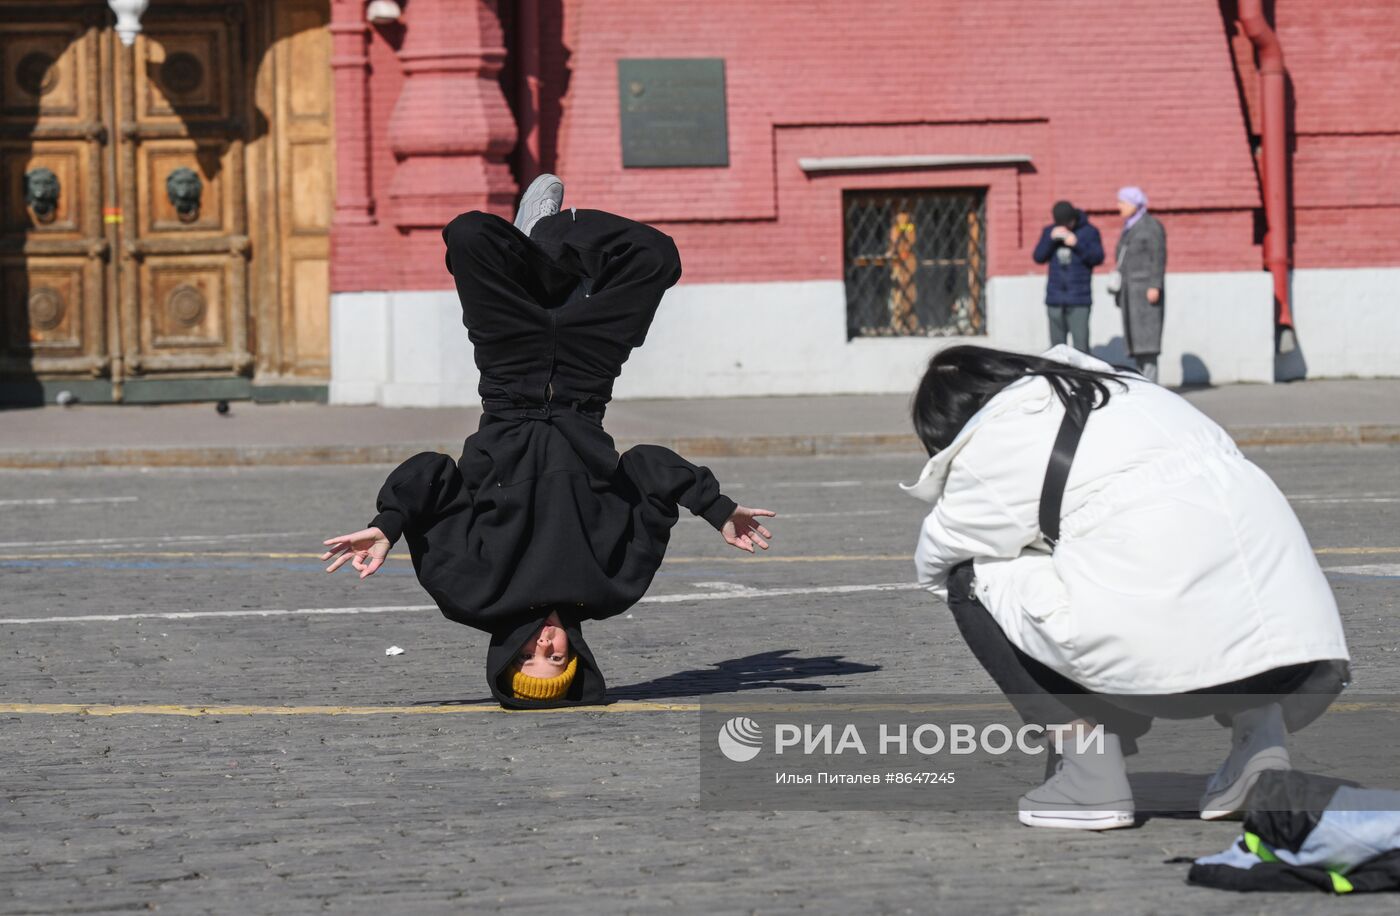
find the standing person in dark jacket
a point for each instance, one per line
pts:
(541, 525)
(1141, 261)
(1072, 247)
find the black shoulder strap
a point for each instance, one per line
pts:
(1052, 492)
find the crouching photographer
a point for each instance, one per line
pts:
(1110, 557)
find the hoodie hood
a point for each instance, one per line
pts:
(588, 687)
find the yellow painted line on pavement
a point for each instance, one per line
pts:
(198, 712)
(157, 709)
(1354, 551)
(161, 709)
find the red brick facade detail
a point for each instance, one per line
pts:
(440, 133)
(354, 203)
(1343, 68)
(1098, 93)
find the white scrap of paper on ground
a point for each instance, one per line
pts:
(394, 650)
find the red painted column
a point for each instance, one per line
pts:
(354, 198)
(451, 129)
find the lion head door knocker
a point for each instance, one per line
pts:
(184, 188)
(41, 190)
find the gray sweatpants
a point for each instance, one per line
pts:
(1067, 321)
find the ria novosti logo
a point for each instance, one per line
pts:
(740, 739)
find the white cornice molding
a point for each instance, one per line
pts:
(868, 163)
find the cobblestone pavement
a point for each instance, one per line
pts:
(439, 804)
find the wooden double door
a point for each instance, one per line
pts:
(166, 206)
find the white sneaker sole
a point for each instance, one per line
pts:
(1229, 800)
(1078, 820)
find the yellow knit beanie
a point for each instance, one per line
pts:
(525, 687)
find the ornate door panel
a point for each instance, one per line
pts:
(158, 225)
(303, 132)
(184, 292)
(53, 247)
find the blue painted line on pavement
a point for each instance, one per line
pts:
(148, 565)
(119, 565)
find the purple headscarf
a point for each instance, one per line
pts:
(1133, 194)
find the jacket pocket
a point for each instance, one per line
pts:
(1031, 604)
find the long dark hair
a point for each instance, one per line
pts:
(961, 380)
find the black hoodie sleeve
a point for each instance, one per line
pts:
(666, 478)
(422, 490)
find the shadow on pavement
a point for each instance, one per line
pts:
(1167, 794)
(1177, 796)
(761, 671)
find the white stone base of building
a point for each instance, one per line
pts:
(788, 338)
(1347, 322)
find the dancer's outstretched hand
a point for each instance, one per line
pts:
(743, 530)
(365, 549)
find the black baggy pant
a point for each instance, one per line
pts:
(554, 315)
(1043, 696)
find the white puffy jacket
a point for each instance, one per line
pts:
(1180, 565)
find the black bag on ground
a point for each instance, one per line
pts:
(1304, 832)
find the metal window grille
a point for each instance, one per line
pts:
(916, 263)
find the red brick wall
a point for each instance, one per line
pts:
(1345, 122)
(1344, 64)
(1099, 93)
(1062, 82)
(373, 257)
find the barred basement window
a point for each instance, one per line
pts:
(916, 263)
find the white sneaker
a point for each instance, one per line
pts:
(542, 198)
(1257, 746)
(1086, 792)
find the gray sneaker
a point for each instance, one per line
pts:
(542, 198)
(1085, 792)
(1257, 746)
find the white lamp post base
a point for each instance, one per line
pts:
(128, 18)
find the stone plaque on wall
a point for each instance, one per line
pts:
(673, 112)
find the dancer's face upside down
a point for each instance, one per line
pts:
(547, 654)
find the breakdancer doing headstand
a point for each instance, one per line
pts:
(541, 525)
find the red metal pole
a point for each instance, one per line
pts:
(1274, 169)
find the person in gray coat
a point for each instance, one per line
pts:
(1141, 259)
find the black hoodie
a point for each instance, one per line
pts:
(522, 526)
(541, 513)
